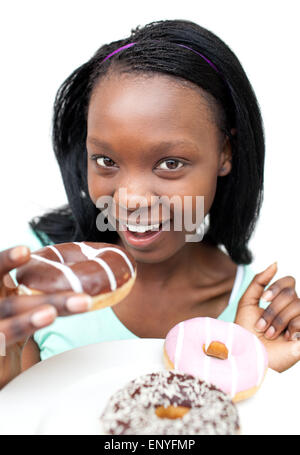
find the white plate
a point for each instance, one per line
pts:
(67, 393)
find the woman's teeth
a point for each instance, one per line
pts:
(141, 229)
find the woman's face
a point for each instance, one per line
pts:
(151, 137)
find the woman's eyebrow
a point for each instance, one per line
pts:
(164, 145)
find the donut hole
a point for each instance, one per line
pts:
(171, 412)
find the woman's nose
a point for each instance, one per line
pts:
(127, 199)
(131, 196)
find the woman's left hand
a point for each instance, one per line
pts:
(278, 326)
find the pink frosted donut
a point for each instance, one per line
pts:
(239, 375)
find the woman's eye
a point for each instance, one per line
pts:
(104, 161)
(170, 165)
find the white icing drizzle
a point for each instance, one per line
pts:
(179, 344)
(109, 272)
(91, 253)
(121, 253)
(260, 360)
(58, 254)
(207, 333)
(231, 358)
(234, 379)
(88, 251)
(229, 341)
(207, 343)
(69, 274)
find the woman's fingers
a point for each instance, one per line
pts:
(293, 331)
(283, 320)
(12, 258)
(19, 327)
(271, 317)
(21, 316)
(8, 282)
(256, 288)
(65, 303)
(274, 289)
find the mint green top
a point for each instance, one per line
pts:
(70, 332)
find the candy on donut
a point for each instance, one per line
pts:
(105, 272)
(222, 353)
(170, 403)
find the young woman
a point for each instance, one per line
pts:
(168, 111)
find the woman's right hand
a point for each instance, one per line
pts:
(21, 316)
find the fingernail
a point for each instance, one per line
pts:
(18, 253)
(287, 335)
(78, 303)
(260, 325)
(270, 332)
(43, 317)
(271, 267)
(267, 295)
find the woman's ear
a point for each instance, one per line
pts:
(226, 156)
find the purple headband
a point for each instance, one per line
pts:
(182, 45)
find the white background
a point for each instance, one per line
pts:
(42, 42)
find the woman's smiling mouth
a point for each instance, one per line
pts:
(140, 239)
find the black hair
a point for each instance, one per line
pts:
(239, 194)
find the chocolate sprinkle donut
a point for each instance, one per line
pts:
(133, 409)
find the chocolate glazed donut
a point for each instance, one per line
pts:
(105, 272)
